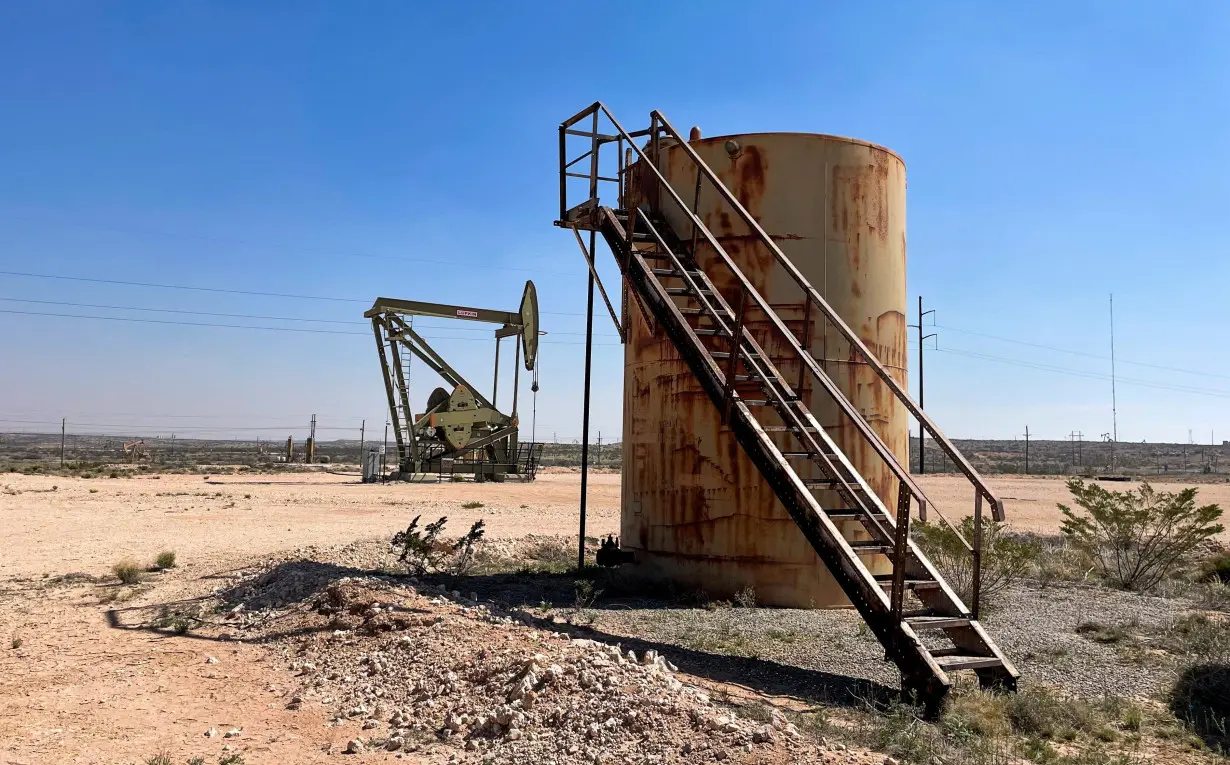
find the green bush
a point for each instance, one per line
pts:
(1005, 558)
(1137, 538)
(127, 571)
(1216, 569)
(1201, 699)
(165, 560)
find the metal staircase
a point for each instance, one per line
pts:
(924, 626)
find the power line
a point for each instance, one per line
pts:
(350, 322)
(248, 326)
(283, 248)
(1081, 353)
(1087, 374)
(223, 290)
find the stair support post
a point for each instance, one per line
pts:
(900, 551)
(976, 594)
(736, 345)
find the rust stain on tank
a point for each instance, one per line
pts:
(706, 516)
(749, 186)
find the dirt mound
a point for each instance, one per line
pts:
(440, 676)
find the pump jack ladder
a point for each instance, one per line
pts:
(706, 326)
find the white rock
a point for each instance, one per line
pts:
(233, 733)
(354, 746)
(211, 733)
(210, 660)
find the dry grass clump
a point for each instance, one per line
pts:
(128, 571)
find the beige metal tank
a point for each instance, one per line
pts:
(695, 508)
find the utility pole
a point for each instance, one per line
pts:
(599, 461)
(362, 432)
(1026, 450)
(922, 432)
(1114, 408)
(384, 452)
(63, 424)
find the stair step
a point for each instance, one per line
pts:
(726, 355)
(844, 512)
(786, 429)
(821, 483)
(870, 546)
(937, 622)
(955, 662)
(802, 455)
(950, 651)
(679, 291)
(910, 584)
(669, 272)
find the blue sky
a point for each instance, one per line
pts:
(1056, 153)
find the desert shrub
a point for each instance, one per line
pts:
(1198, 635)
(425, 550)
(1005, 558)
(975, 714)
(127, 571)
(746, 598)
(1042, 713)
(1137, 538)
(471, 505)
(165, 560)
(1215, 569)
(162, 758)
(1201, 699)
(1107, 634)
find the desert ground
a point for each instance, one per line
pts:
(80, 683)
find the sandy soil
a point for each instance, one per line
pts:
(1030, 501)
(74, 689)
(87, 525)
(77, 690)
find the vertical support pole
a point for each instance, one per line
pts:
(589, 350)
(362, 432)
(377, 325)
(563, 172)
(516, 376)
(407, 446)
(172, 446)
(977, 588)
(309, 454)
(63, 426)
(900, 546)
(623, 168)
(695, 214)
(806, 343)
(1026, 450)
(495, 386)
(922, 432)
(384, 453)
(732, 366)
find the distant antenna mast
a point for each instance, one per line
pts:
(1114, 408)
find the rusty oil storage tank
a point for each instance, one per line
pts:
(695, 509)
